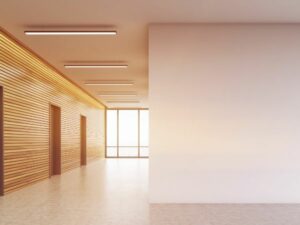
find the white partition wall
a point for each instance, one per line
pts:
(224, 113)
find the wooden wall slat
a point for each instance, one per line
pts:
(29, 87)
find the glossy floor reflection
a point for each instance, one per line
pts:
(115, 192)
(108, 192)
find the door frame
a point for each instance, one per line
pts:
(54, 165)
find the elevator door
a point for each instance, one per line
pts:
(55, 140)
(1, 144)
(82, 140)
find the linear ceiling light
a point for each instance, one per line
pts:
(108, 83)
(117, 95)
(56, 33)
(125, 102)
(96, 66)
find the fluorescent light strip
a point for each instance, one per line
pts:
(116, 95)
(108, 83)
(95, 84)
(122, 102)
(94, 66)
(57, 33)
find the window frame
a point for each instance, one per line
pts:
(118, 124)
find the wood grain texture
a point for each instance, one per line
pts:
(30, 86)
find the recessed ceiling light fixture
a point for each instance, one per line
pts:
(69, 33)
(108, 83)
(122, 102)
(117, 94)
(108, 66)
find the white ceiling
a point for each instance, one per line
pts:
(131, 19)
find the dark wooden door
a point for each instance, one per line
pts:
(1, 144)
(55, 140)
(83, 140)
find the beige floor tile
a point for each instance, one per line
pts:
(115, 192)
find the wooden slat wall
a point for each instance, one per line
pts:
(30, 86)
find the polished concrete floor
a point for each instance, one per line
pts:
(106, 192)
(115, 192)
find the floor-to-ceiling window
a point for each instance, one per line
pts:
(127, 133)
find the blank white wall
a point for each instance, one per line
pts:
(224, 113)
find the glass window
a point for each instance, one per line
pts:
(111, 151)
(144, 151)
(144, 127)
(127, 133)
(128, 151)
(112, 127)
(128, 128)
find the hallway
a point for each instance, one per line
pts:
(111, 191)
(115, 192)
(149, 112)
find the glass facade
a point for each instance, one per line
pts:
(127, 133)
